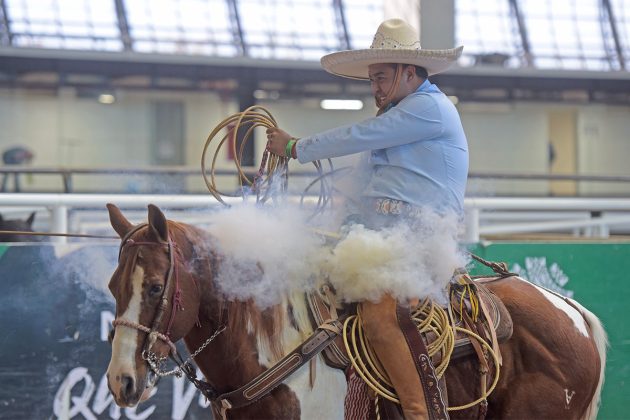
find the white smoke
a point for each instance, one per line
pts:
(266, 252)
(404, 261)
(270, 252)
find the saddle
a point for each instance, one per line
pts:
(473, 310)
(493, 317)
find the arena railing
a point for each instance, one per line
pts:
(594, 215)
(68, 174)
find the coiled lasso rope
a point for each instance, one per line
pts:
(251, 118)
(273, 173)
(429, 318)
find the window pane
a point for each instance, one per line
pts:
(181, 26)
(362, 19)
(488, 31)
(621, 11)
(77, 24)
(565, 34)
(288, 29)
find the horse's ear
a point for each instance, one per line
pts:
(121, 225)
(30, 220)
(158, 224)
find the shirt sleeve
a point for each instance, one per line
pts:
(413, 119)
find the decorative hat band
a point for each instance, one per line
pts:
(382, 42)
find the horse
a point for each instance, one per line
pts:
(552, 366)
(19, 226)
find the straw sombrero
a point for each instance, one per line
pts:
(395, 42)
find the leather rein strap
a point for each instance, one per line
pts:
(267, 381)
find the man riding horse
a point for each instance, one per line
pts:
(415, 156)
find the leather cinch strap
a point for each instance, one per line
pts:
(271, 378)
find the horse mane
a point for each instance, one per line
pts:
(266, 324)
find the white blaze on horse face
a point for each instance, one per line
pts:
(574, 314)
(125, 342)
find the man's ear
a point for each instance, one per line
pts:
(410, 72)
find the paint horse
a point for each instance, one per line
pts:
(166, 289)
(17, 225)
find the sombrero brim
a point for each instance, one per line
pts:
(354, 63)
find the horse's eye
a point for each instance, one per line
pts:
(155, 289)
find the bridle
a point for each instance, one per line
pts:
(154, 361)
(252, 391)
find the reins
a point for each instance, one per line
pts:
(67, 235)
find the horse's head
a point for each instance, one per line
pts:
(152, 285)
(17, 225)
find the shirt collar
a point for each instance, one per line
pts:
(426, 86)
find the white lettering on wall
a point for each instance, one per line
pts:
(181, 399)
(104, 398)
(78, 388)
(65, 406)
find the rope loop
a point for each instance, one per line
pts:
(271, 165)
(429, 319)
(271, 179)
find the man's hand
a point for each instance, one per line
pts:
(277, 140)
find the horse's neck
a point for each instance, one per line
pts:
(252, 342)
(225, 366)
(239, 356)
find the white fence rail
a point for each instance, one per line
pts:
(595, 220)
(484, 216)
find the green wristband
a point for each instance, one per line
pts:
(289, 147)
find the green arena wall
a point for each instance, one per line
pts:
(55, 312)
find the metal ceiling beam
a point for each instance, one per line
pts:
(342, 31)
(237, 27)
(613, 25)
(295, 79)
(522, 30)
(123, 25)
(6, 38)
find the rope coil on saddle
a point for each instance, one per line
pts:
(429, 319)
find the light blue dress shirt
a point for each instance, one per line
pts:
(415, 152)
